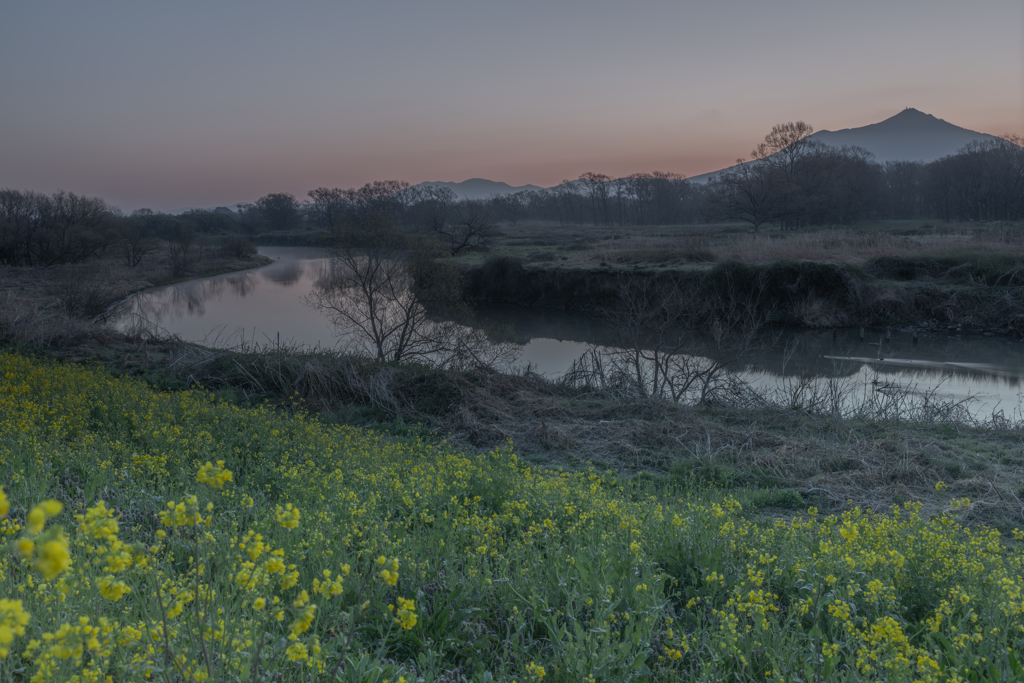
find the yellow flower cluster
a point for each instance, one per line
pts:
(288, 516)
(13, 619)
(406, 615)
(186, 513)
(389, 570)
(214, 475)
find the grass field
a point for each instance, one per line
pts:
(552, 245)
(178, 536)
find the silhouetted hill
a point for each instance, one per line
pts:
(910, 135)
(479, 188)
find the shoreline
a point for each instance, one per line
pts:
(257, 261)
(805, 294)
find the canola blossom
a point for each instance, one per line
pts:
(154, 535)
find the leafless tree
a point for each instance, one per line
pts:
(748, 192)
(133, 238)
(462, 226)
(180, 247)
(435, 208)
(370, 296)
(279, 211)
(674, 341)
(327, 207)
(598, 187)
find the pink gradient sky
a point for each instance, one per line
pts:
(209, 103)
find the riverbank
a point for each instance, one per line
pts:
(967, 276)
(53, 305)
(788, 457)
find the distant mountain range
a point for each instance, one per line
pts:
(910, 135)
(479, 188)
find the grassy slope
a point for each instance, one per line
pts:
(513, 573)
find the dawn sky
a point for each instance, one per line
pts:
(168, 105)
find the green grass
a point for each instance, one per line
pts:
(410, 559)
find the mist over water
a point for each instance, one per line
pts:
(265, 307)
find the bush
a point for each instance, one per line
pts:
(237, 246)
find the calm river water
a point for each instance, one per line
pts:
(265, 306)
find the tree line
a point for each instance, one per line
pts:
(789, 181)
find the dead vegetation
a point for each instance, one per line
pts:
(673, 246)
(792, 449)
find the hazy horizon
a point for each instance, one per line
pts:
(197, 104)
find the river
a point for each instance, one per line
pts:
(265, 306)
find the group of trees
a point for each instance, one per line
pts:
(790, 180)
(40, 229)
(37, 229)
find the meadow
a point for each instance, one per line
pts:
(674, 246)
(178, 536)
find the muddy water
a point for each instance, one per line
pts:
(265, 306)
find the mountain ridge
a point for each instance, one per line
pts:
(478, 188)
(910, 135)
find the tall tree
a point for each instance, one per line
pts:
(279, 211)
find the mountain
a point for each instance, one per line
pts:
(229, 209)
(910, 135)
(479, 188)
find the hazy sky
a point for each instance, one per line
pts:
(175, 104)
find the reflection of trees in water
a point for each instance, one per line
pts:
(188, 299)
(284, 273)
(822, 354)
(370, 300)
(990, 374)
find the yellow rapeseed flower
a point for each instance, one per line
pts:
(13, 620)
(214, 475)
(53, 557)
(288, 516)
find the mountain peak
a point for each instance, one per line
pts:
(910, 135)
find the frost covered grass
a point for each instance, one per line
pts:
(173, 536)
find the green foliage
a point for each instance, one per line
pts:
(439, 561)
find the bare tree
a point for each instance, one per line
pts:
(328, 206)
(279, 211)
(370, 296)
(435, 208)
(467, 225)
(747, 192)
(675, 341)
(133, 238)
(180, 246)
(598, 186)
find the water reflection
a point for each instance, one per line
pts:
(262, 305)
(267, 304)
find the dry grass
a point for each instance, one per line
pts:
(550, 245)
(831, 462)
(87, 289)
